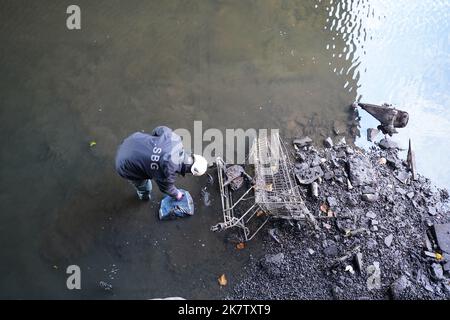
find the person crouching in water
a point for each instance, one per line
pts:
(157, 156)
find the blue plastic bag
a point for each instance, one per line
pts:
(171, 208)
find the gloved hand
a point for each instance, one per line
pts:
(179, 195)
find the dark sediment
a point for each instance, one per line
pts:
(376, 237)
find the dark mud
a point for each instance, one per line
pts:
(375, 239)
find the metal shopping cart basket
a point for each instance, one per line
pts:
(273, 194)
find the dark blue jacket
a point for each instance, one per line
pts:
(158, 156)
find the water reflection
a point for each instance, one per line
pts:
(399, 53)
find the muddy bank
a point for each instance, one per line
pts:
(380, 234)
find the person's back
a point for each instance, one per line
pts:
(158, 156)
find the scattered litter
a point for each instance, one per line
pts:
(222, 280)
(92, 144)
(349, 268)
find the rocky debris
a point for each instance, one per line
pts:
(437, 271)
(399, 287)
(388, 240)
(388, 144)
(272, 264)
(442, 232)
(328, 143)
(303, 142)
(372, 134)
(361, 171)
(403, 236)
(374, 280)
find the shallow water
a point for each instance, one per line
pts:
(293, 65)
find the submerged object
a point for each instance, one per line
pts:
(389, 117)
(235, 177)
(171, 208)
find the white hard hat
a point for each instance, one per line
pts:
(199, 166)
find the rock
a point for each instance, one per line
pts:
(303, 142)
(372, 244)
(361, 171)
(437, 271)
(398, 287)
(410, 195)
(431, 210)
(332, 202)
(388, 240)
(374, 279)
(442, 232)
(272, 264)
(370, 197)
(446, 266)
(372, 134)
(328, 175)
(368, 189)
(349, 150)
(331, 250)
(402, 176)
(328, 143)
(388, 144)
(308, 175)
(342, 142)
(311, 251)
(337, 293)
(371, 215)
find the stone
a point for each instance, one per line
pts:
(361, 171)
(371, 215)
(446, 266)
(308, 175)
(331, 250)
(399, 287)
(437, 271)
(272, 264)
(370, 197)
(369, 189)
(328, 143)
(328, 175)
(402, 176)
(372, 134)
(374, 276)
(442, 232)
(303, 142)
(388, 144)
(388, 240)
(332, 202)
(372, 244)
